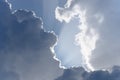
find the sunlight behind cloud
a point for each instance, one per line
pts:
(87, 37)
(67, 51)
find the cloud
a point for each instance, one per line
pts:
(81, 74)
(25, 48)
(88, 36)
(25, 51)
(73, 74)
(9, 75)
(99, 30)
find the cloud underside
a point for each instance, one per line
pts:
(25, 51)
(81, 74)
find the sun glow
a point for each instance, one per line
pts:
(87, 36)
(86, 39)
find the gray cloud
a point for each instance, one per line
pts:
(81, 74)
(73, 74)
(25, 48)
(9, 75)
(25, 52)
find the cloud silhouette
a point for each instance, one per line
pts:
(25, 48)
(81, 74)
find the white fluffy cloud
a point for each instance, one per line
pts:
(99, 30)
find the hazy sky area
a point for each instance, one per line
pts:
(59, 40)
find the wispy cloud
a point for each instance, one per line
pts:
(88, 36)
(99, 29)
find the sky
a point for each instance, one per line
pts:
(59, 40)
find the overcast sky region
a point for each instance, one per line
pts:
(59, 40)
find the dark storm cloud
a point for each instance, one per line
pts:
(25, 52)
(81, 74)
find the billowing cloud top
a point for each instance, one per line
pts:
(25, 47)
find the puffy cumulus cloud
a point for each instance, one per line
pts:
(99, 30)
(25, 48)
(81, 74)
